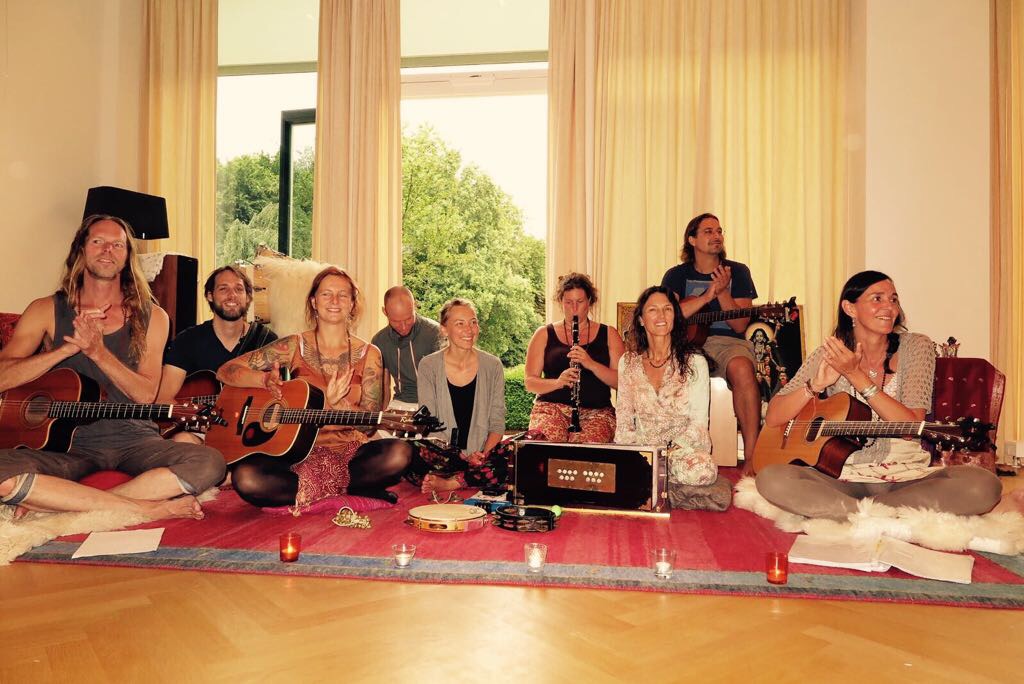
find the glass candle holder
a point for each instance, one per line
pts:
(290, 545)
(535, 554)
(776, 567)
(403, 554)
(663, 561)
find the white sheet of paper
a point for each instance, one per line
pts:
(113, 543)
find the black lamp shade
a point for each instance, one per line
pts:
(145, 214)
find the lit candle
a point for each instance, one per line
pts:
(403, 554)
(663, 560)
(776, 567)
(535, 554)
(290, 544)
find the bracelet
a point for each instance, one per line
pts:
(811, 394)
(869, 391)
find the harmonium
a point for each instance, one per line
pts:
(597, 477)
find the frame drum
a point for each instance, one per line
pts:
(447, 518)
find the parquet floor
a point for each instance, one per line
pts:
(83, 624)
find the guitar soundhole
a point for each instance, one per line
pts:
(36, 410)
(812, 429)
(271, 418)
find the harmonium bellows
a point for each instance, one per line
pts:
(607, 477)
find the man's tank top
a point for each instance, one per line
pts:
(593, 392)
(101, 433)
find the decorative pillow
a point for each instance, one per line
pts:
(713, 497)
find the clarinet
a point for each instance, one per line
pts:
(574, 391)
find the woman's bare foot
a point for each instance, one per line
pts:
(1012, 502)
(181, 507)
(436, 483)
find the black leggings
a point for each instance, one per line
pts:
(269, 482)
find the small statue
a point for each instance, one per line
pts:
(948, 349)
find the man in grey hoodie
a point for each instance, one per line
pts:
(407, 338)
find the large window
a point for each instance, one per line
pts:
(474, 146)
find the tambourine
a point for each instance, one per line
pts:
(525, 518)
(446, 518)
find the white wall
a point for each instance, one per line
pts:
(926, 188)
(71, 74)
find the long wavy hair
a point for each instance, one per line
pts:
(357, 296)
(852, 291)
(686, 254)
(681, 348)
(137, 299)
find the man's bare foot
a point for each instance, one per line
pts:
(181, 507)
(435, 483)
(1012, 502)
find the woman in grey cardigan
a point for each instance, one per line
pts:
(465, 388)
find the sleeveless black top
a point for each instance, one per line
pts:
(101, 433)
(594, 394)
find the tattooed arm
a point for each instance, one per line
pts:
(251, 370)
(372, 396)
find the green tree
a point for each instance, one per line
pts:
(462, 236)
(247, 198)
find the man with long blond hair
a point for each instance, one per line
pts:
(103, 324)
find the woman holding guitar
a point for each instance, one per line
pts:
(348, 371)
(554, 364)
(873, 358)
(465, 388)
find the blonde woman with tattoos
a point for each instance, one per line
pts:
(348, 371)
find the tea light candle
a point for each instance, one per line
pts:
(662, 560)
(535, 554)
(403, 554)
(776, 567)
(290, 544)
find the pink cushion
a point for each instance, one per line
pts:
(359, 504)
(105, 479)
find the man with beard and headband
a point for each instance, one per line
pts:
(209, 345)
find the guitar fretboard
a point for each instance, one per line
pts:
(869, 428)
(87, 409)
(715, 316)
(320, 416)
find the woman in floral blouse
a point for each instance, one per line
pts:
(664, 390)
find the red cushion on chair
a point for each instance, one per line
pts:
(105, 479)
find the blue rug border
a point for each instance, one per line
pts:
(873, 586)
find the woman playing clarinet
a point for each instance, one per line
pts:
(574, 379)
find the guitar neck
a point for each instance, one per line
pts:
(103, 409)
(327, 417)
(870, 428)
(714, 316)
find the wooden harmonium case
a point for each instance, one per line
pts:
(591, 476)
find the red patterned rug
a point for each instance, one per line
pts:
(717, 553)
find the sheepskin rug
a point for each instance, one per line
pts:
(35, 529)
(1001, 533)
(289, 282)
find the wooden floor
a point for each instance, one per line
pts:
(81, 624)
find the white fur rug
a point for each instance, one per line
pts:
(1001, 533)
(35, 529)
(288, 284)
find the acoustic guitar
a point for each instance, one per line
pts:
(698, 326)
(257, 423)
(44, 414)
(827, 431)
